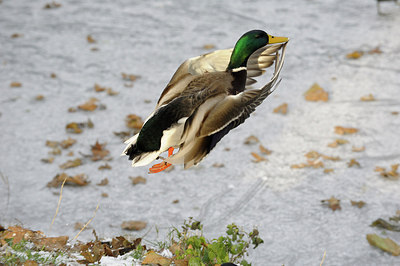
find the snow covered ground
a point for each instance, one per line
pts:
(151, 39)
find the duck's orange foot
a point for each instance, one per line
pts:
(159, 167)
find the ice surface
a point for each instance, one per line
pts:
(151, 39)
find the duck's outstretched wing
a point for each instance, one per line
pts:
(215, 62)
(224, 116)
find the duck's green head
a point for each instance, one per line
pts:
(249, 43)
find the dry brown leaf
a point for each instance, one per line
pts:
(264, 150)
(358, 149)
(52, 5)
(67, 143)
(71, 164)
(353, 162)
(94, 49)
(53, 75)
(39, 97)
(90, 39)
(251, 140)
(218, 165)
(175, 201)
(111, 92)
(312, 164)
(133, 121)
(72, 110)
(332, 203)
(345, 130)
(90, 105)
(359, 204)
(15, 84)
(337, 142)
(99, 152)
(282, 109)
(30, 263)
(392, 174)
(103, 182)
(77, 180)
(51, 243)
(332, 158)
(133, 225)
(258, 158)
(99, 88)
(129, 77)
(376, 50)
(78, 226)
(394, 113)
(74, 128)
(367, 98)
(16, 35)
(385, 244)
(328, 170)
(138, 180)
(155, 259)
(48, 160)
(18, 233)
(71, 153)
(52, 144)
(105, 167)
(208, 46)
(104, 195)
(316, 93)
(355, 55)
(55, 151)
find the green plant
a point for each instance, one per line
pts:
(232, 247)
(21, 252)
(138, 253)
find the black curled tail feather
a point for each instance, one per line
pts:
(132, 151)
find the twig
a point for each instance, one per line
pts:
(59, 202)
(323, 258)
(94, 215)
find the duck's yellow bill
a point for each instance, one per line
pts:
(273, 39)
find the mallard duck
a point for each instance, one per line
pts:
(208, 96)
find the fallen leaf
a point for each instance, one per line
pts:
(48, 160)
(133, 121)
(376, 50)
(30, 263)
(337, 142)
(89, 123)
(155, 259)
(78, 226)
(53, 75)
(51, 243)
(39, 97)
(138, 180)
(355, 55)
(16, 35)
(55, 151)
(385, 244)
(312, 164)
(77, 180)
(133, 225)
(367, 98)
(94, 49)
(282, 109)
(332, 203)
(52, 5)
(123, 134)
(90, 105)
(104, 195)
(359, 204)
(111, 92)
(358, 149)
(264, 150)
(52, 144)
(71, 153)
(251, 140)
(17, 234)
(105, 167)
(345, 130)
(353, 162)
(394, 113)
(328, 170)
(175, 201)
(392, 174)
(103, 182)
(312, 155)
(90, 39)
(129, 77)
(71, 163)
(74, 128)
(15, 84)
(316, 93)
(257, 158)
(218, 165)
(67, 143)
(98, 151)
(208, 46)
(386, 225)
(99, 88)
(72, 110)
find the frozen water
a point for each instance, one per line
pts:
(151, 39)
